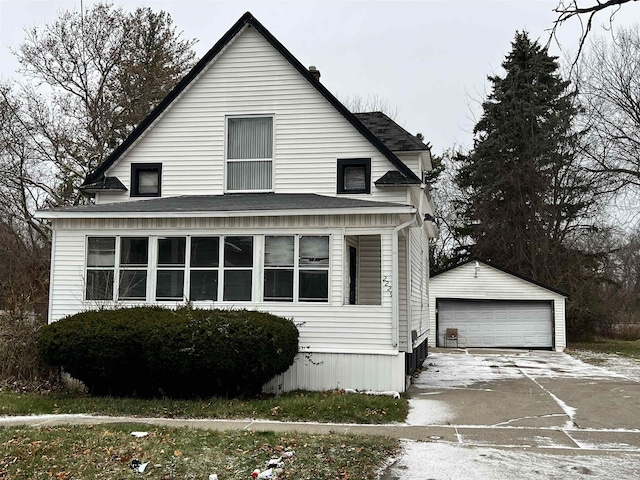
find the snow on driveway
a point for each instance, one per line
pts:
(447, 461)
(448, 370)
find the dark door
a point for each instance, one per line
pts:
(353, 255)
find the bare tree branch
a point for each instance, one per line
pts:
(570, 9)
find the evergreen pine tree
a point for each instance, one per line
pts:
(525, 189)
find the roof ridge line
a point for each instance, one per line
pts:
(246, 19)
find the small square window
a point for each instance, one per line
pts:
(146, 179)
(354, 175)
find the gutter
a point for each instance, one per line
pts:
(87, 213)
(395, 284)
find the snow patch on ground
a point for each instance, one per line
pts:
(446, 370)
(428, 412)
(443, 461)
(627, 367)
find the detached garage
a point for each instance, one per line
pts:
(493, 308)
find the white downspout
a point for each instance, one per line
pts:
(395, 280)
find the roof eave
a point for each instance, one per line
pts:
(101, 190)
(53, 214)
(389, 185)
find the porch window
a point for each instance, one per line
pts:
(314, 269)
(204, 263)
(363, 270)
(134, 253)
(101, 264)
(238, 268)
(249, 153)
(170, 272)
(296, 268)
(278, 269)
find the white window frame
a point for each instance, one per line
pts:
(297, 268)
(223, 268)
(226, 153)
(118, 268)
(104, 268)
(147, 268)
(189, 269)
(184, 268)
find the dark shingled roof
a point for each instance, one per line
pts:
(236, 202)
(105, 184)
(392, 135)
(394, 178)
(248, 20)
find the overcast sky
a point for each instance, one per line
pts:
(426, 59)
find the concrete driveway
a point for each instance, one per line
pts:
(520, 414)
(526, 398)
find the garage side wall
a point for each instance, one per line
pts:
(483, 282)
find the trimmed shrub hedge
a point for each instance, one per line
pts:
(150, 351)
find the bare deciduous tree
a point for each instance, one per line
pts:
(372, 103)
(608, 82)
(88, 79)
(92, 76)
(585, 13)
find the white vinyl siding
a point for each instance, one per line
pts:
(419, 259)
(492, 284)
(403, 298)
(251, 78)
(370, 281)
(330, 371)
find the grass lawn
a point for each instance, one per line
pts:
(336, 406)
(105, 452)
(625, 348)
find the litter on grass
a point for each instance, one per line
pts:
(275, 463)
(268, 473)
(275, 466)
(137, 466)
(139, 434)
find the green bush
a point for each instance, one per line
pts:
(149, 351)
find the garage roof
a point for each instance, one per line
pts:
(502, 269)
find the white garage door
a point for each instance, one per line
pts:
(514, 324)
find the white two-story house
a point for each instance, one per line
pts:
(251, 186)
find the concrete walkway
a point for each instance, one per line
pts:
(533, 400)
(547, 439)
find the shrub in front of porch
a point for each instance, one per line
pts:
(188, 352)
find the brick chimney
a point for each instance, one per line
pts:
(315, 72)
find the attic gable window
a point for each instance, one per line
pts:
(146, 179)
(354, 175)
(249, 154)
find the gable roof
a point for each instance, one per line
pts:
(246, 20)
(254, 204)
(390, 133)
(504, 270)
